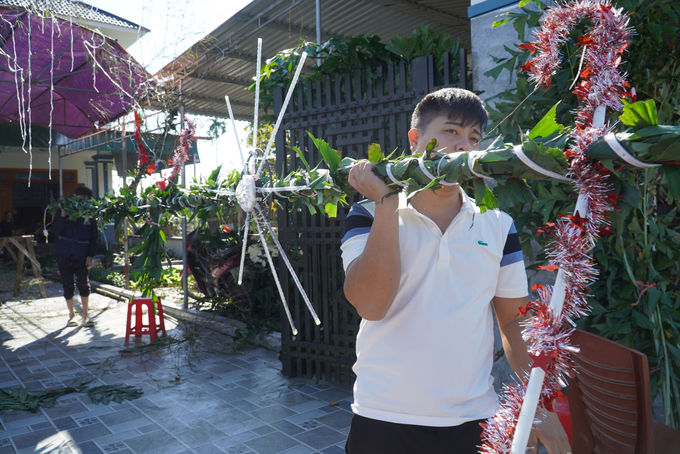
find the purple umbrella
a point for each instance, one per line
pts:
(75, 80)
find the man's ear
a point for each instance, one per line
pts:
(413, 138)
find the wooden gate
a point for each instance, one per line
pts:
(350, 111)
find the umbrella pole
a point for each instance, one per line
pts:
(185, 287)
(61, 175)
(125, 221)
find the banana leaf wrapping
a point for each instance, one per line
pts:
(324, 188)
(645, 141)
(658, 144)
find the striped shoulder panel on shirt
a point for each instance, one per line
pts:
(359, 219)
(512, 252)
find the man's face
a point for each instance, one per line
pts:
(450, 134)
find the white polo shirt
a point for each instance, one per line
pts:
(428, 361)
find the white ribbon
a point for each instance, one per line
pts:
(470, 163)
(394, 180)
(421, 163)
(623, 153)
(284, 189)
(517, 149)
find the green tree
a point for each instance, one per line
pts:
(636, 300)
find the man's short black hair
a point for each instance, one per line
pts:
(455, 103)
(83, 191)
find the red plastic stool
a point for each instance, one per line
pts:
(152, 327)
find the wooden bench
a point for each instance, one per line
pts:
(24, 246)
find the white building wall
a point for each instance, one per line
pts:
(16, 158)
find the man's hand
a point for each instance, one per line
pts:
(362, 178)
(551, 434)
(89, 262)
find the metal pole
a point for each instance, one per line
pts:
(125, 221)
(318, 28)
(185, 286)
(61, 176)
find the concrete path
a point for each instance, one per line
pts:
(202, 392)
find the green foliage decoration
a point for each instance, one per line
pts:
(348, 55)
(636, 300)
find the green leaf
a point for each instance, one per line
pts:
(375, 154)
(513, 191)
(331, 210)
(656, 30)
(483, 196)
(494, 72)
(332, 157)
(301, 156)
(498, 23)
(547, 126)
(520, 26)
(431, 145)
(524, 3)
(672, 179)
(639, 115)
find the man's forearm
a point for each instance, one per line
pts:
(516, 348)
(373, 278)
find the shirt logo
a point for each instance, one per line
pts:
(482, 243)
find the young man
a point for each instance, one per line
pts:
(422, 275)
(76, 247)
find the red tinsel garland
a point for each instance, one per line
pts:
(180, 154)
(572, 237)
(142, 153)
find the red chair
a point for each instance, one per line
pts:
(154, 321)
(610, 401)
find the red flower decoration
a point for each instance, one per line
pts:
(612, 197)
(226, 229)
(586, 72)
(549, 268)
(606, 11)
(526, 67)
(543, 361)
(527, 46)
(584, 40)
(522, 311)
(604, 232)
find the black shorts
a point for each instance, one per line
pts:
(371, 436)
(74, 271)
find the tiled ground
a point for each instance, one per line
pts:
(201, 395)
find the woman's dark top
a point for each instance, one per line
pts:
(6, 228)
(75, 238)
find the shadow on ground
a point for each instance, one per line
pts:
(201, 392)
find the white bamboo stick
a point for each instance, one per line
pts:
(290, 267)
(263, 240)
(283, 110)
(528, 412)
(233, 124)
